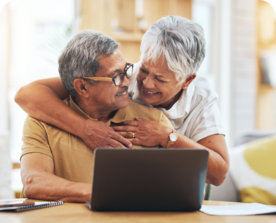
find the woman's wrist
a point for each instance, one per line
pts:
(165, 136)
(82, 128)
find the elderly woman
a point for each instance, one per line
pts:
(172, 50)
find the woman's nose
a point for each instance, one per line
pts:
(148, 83)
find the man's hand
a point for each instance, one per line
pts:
(97, 134)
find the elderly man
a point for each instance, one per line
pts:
(56, 165)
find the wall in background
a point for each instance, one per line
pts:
(127, 20)
(37, 38)
(266, 75)
(32, 35)
(5, 161)
(4, 66)
(244, 67)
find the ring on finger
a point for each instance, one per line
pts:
(133, 135)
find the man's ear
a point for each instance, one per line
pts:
(81, 87)
(188, 81)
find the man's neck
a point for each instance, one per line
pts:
(93, 110)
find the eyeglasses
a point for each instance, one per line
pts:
(118, 79)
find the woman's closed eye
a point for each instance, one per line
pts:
(144, 71)
(159, 80)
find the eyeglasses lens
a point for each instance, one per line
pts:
(129, 71)
(120, 78)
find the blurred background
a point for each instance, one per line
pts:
(239, 63)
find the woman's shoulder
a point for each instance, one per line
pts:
(204, 89)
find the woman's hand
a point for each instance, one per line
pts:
(98, 134)
(146, 133)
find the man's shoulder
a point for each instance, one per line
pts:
(32, 122)
(143, 111)
(136, 105)
(33, 125)
(135, 109)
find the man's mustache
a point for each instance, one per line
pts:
(123, 90)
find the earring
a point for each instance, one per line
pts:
(185, 88)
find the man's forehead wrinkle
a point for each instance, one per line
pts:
(111, 71)
(112, 64)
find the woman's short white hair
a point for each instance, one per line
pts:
(180, 40)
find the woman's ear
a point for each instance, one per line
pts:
(81, 87)
(188, 80)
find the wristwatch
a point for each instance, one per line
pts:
(172, 138)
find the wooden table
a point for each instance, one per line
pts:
(79, 213)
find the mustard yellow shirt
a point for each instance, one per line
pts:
(73, 160)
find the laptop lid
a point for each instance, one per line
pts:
(148, 179)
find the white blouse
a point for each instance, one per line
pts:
(195, 114)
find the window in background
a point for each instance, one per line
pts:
(204, 13)
(215, 18)
(39, 31)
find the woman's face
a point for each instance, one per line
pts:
(157, 84)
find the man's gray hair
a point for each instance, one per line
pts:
(180, 40)
(80, 58)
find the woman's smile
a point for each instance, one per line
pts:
(149, 94)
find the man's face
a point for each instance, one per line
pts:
(106, 95)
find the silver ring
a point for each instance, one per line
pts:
(133, 135)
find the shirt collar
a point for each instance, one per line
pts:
(120, 115)
(181, 108)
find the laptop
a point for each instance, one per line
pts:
(148, 179)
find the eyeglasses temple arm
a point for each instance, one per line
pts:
(98, 78)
